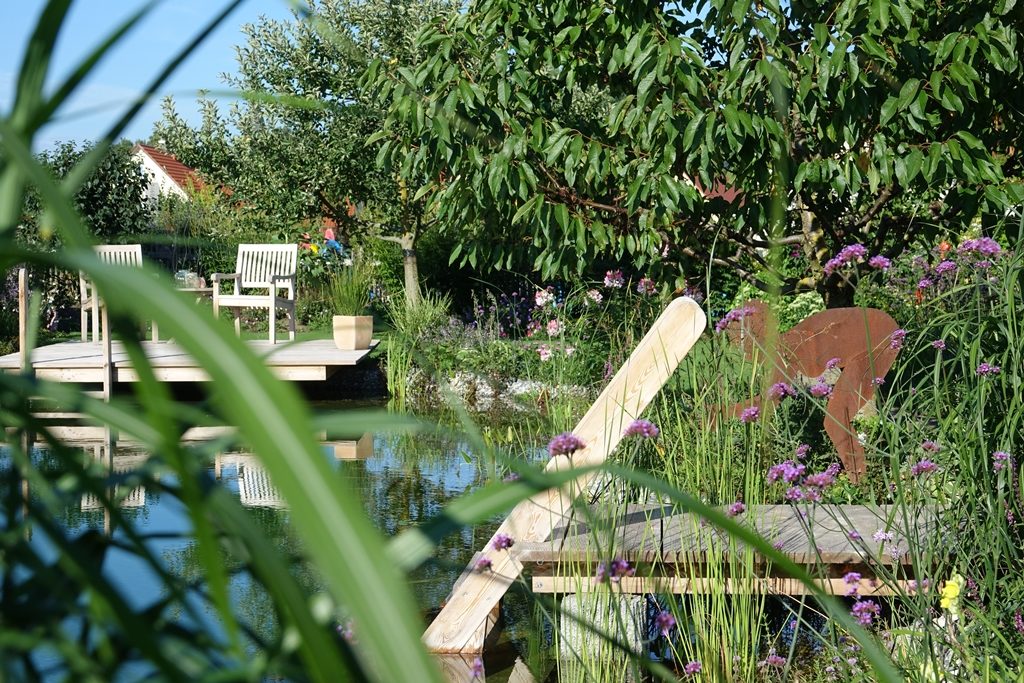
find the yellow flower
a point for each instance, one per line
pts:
(950, 592)
(315, 248)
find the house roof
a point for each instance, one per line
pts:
(185, 177)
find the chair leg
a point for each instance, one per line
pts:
(273, 322)
(238, 321)
(291, 323)
(84, 308)
(95, 318)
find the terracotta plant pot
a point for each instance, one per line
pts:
(353, 332)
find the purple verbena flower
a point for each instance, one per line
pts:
(642, 428)
(848, 254)
(944, 267)
(773, 660)
(879, 262)
(820, 389)
(924, 283)
(788, 471)
(794, 494)
(802, 450)
(865, 611)
(613, 571)
(750, 414)
(897, 338)
(484, 564)
(692, 668)
(852, 579)
(566, 443)
(986, 369)
(502, 542)
(882, 536)
(939, 344)
(922, 467)
(854, 536)
(732, 316)
(930, 446)
(1018, 622)
(665, 622)
(832, 363)
(1001, 459)
(781, 390)
(984, 246)
(478, 670)
(877, 381)
(735, 509)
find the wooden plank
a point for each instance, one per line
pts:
(458, 626)
(680, 585)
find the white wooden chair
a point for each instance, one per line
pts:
(129, 255)
(269, 267)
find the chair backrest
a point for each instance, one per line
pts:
(257, 263)
(120, 254)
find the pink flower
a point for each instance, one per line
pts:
(329, 234)
(642, 428)
(693, 668)
(554, 328)
(613, 571)
(594, 296)
(930, 446)
(865, 611)
(848, 254)
(787, 471)
(665, 622)
(832, 363)
(735, 509)
(502, 542)
(483, 564)
(877, 381)
(732, 316)
(1000, 459)
(923, 467)
(566, 443)
(781, 390)
(820, 389)
(802, 450)
(614, 279)
(543, 297)
(750, 414)
(985, 369)
(646, 287)
(939, 344)
(773, 660)
(852, 579)
(544, 351)
(879, 262)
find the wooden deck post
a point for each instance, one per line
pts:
(462, 625)
(23, 350)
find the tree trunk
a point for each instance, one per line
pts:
(411, 268)
(837, 293)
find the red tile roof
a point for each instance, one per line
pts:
(184, 177)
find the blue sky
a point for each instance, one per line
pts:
(132, 64)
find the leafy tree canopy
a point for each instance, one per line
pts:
(111, 201)
(571, 130)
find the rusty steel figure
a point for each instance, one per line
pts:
(858, 341)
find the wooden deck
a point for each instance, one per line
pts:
(82, 362)
(677, 553)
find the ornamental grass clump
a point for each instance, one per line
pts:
(350, 289)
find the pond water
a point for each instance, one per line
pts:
(403, 480)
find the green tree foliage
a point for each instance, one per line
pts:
(568, 131)
(111, 201)
(300, 152)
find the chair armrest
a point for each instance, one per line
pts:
(283, 281)
(218, 277)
